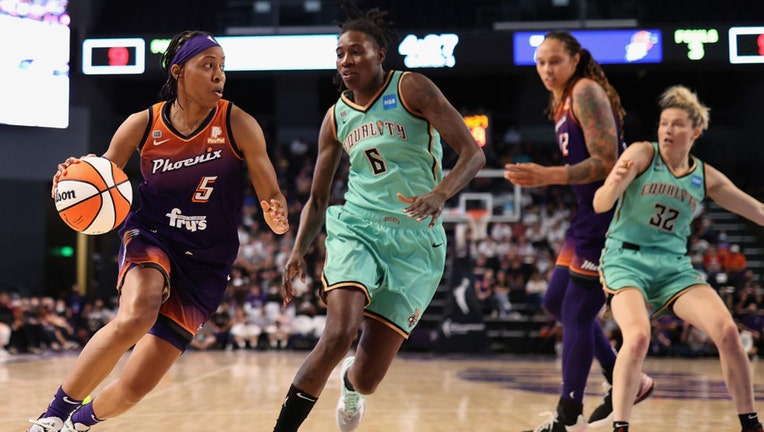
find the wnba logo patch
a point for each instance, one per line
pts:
(389, 102)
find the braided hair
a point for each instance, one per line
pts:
(587, 68)
(373, 22)
(169, 90)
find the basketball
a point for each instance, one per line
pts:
(94, 196)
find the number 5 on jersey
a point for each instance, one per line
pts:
(204, 190)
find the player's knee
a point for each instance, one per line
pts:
(132, 324)
(637, 341)
(339, 336)
(729, 337)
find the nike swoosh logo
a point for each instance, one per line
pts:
(302, 396)
(161, 142)
(437, 245)
(69, 401)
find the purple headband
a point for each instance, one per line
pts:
(192, 47)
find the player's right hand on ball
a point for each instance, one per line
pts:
(61, 170)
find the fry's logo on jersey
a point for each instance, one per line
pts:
(165, 165)
(191, 223)
(215, 137)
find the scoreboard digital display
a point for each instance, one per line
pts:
(696, 45)
(607, 46)
(121, 56)
(463, 52)
(746, 45)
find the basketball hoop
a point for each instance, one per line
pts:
(477, 213)
(478, 222)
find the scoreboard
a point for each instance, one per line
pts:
(466, 51)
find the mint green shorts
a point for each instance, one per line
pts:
(661, 276)
(397, 262)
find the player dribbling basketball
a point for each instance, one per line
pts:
(178, 246)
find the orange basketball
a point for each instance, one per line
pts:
(94, 196)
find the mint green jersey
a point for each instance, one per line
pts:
(391, 149)
(657, 209)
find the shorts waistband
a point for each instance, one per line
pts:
(619, 244)
(389, 219)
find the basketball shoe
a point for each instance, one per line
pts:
(603, 414)
(554, 424)
(46, 424)
(351, 405)
(757, 428)
(69, 426)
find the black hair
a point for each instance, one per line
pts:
(373, 22)
(169, 90)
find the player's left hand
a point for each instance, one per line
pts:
(275, 216)
(423, 206)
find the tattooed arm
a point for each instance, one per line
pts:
(592, 108)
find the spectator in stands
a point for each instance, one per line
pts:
(715, 275)
(749, 294)
(221, 322)
(645, 266)
(666, 337)
(204, 339)
(698, 343)
(57, 332)
(534, 292)
(244, 330)
(712, 259)
(28, 335)
(588, 116)
(158, 315)
(502, 306)
(751, 324)
(483, 284)
(280, 327)
(386, 245)
(735, 265)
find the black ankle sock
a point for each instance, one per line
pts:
(294, 410)
(568, 410)
(749, 421)
(620, 426)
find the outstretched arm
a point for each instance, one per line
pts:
(250, 139)
(591, 107)
(721, 189)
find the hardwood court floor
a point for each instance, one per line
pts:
(242, 391)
